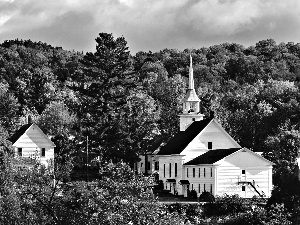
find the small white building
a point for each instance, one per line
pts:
(230, 171)
(204, 157)
(31, 142)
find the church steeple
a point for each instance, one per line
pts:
(191, 74)
(191, 103)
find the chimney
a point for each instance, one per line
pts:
(212, 114)
(29, 119)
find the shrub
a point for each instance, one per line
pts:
(192, 194)
(206, 197)
(225, 205)
(160, 185)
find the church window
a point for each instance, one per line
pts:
(199, 188)
(175, 169)
(210, 172)
(164, 170)
(187, 172)
(243, 188)
(192, 107)
(243, 172)
(192, 186)
(204, 172)
(210, 188)
(43, 153)
(199, 172)
(209, 145)
(194, 172)
(204, 187)
(170, 169)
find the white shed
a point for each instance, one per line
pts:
(31, 142)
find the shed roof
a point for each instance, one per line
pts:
(212, 156)
(19, 133)
(178, 143)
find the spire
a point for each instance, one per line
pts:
(191, 95)
(191, 74)
(191, 103)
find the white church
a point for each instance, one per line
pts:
(204, 157)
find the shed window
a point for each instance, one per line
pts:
(43, 153)
(209, 145)
(243, 171)
(19, 151)
(156, 164)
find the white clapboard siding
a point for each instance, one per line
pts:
(32, 142)
(258, 171)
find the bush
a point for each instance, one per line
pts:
(206, 197)
(160, 185)
(225, 205)
(192, 194)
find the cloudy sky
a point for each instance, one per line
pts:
(150, 24)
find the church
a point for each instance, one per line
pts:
(204, 157)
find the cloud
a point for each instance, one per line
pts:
(150, 25)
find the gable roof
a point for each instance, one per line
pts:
(212, 156)
(178, 143)
(18, 134)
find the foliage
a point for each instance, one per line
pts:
(206, 196)
(56, 119)
(276, 215)
(124, 103)
(225, 205)
(192, 194)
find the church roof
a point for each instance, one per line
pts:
(212, 156)
(178, 143)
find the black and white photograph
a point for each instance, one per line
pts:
(149, 112)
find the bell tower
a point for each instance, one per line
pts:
(191, 103)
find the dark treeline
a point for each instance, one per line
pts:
(126, 104)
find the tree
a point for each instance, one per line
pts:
(9, 109)
(283, 149)
(56, 119)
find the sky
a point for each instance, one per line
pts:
(150, 25)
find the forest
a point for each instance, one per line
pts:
(127, 104)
